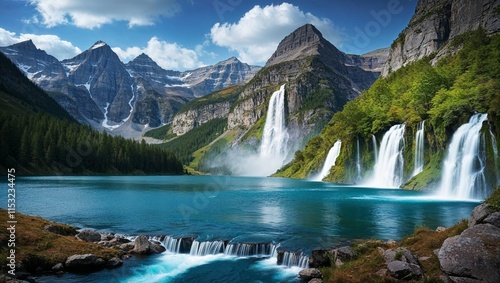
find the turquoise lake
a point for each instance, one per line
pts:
(295, 215)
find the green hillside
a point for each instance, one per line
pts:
(445, 95)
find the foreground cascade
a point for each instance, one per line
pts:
(329, 161)
(464, 167)
(388, 169)
(419, 149)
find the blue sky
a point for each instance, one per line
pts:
(188, 34)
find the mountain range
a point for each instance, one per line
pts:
(96, 88)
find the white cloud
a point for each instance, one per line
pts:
(92, 14)
(170, 56)
(52, 44)
(258, 33)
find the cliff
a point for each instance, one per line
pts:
(436, 23)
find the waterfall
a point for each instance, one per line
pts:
(245, 250)
(275, 135)
(388, 169)
(172, 245)
(294, 259)
(419, 149)
(330, 161)
(206, 248)
(463, 169)
(358, 162)
(375, 147)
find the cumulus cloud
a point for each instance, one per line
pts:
(170, 56)
(92, 14)
(52, 44)
(257, 34)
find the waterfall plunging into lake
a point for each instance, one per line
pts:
(275, 135)
(419, 149)
(358, 162)
(329, 161)
(463, 169)
(388, 169)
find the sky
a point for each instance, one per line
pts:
(187, 34)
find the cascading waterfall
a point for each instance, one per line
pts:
(419, 149)
(463, 169)
(358, 162)
(207, 248)
(294, 259)
(388, 169)
(375, 147)
(275, 135)
(172, 245)
(329, 161)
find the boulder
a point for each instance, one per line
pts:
(345, 253)
(320, 258)
(118, 241)
(474, 254)
(401, 254)
(310, 273)
(114, 263)
(89, 236)
(107, 236)
(316, 280)
(84, 262)
(404, 270)
(143, 246)
(479, 213)
(493, 219)
(126, 247)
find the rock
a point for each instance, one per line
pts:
(118, 241)
(345, 253)
(64, 230)
(114, 263)
(479, 213)
(320, 258)
(126, 247)
(338, 263)
(404, 270)
(107, 237)
(493, 219)
(89, 236)
(440, 229)
(58, 267)
(391, 242)
(474, 254)
(316, 280)
(143, 246)
(382, 272)
(84, 262)
(380, 250)
(310, 273)
(401, 254)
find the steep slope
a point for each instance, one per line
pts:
(437, 22)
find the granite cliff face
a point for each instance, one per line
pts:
(435, 23)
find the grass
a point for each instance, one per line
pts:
(36, 247)
(422, 243)
(494, 199)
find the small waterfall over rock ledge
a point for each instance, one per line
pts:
(329, 161)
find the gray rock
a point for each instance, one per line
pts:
(107, 236)
(114, 263)
(479, 213)
(89, 236)
(84, 262)
(316, 280)
(401, 254)
(126, 247)
(493, 219)
(143, 246)
(58, 267)
(310, 273)
(475, 254)
(338, 262)
(345, 253)
(382, 272)
(404, 270)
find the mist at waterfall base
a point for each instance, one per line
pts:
(274, 150)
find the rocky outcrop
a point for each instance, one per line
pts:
(84, 262)
(143, 246)
(310, 273)
(89, 236)
(474, 255)
(434, 23)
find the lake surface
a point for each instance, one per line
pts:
(295, 215)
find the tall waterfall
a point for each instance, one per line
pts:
(358, 162)
(419, 149)
(463, 170)
(275, 135)
(388, 170)
(375, 147)
(329, 161)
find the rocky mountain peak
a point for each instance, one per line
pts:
(99, 44)
(27, 45)
(301, 43)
